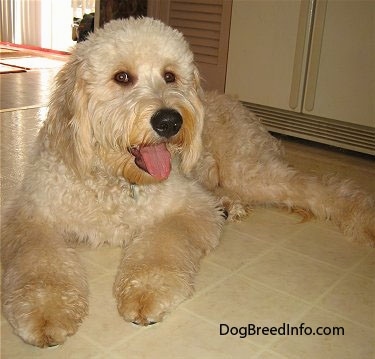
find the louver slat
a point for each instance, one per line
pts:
(200, 22)
(332, 132)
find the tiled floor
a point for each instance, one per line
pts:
(270, 271)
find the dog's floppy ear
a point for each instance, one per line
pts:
(67, 126)
(197, 82)
(194, 125)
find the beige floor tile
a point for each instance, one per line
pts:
(238, 302)
(269, 225)
(270, 355)
(185, 336)
(112, 355)
(354, 298)
(106, 257)
(320, 242)
(357, 342)
(100, 261)
(209, 274)
(104, 324)
(366, 267)
(236, 249)
(293, 273)
(93, 271)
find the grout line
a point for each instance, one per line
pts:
(273, 243)
(130, 337)
(314, 304)
(279, 291)
(232, 272)
(207, 289)
(94, 343)
(354, 266)
(345, 271)
(317, 301)
(310, 308)
(215, 324)
(341, 316)
(241, 276)
(318, 261)
(267, 349)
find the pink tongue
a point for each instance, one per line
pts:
(157, 160)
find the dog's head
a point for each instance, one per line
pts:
(129, 100)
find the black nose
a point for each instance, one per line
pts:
(166, 122)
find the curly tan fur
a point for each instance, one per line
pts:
(255, 173)
(88, 181)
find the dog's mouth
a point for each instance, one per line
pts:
(153, 159)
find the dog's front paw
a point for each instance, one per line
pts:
(144, 299)
(45, 315)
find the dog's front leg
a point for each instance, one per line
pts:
(157, 269)
(44, 288)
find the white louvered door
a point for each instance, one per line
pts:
(206, 25)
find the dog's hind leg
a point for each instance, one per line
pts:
(44, 288)
(241, 160)
(158, 268)
(327, 198)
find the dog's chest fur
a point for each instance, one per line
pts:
(100, 209)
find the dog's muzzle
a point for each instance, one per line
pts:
(166, 122)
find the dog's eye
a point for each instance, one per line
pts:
(169, 77)
(123, 78)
